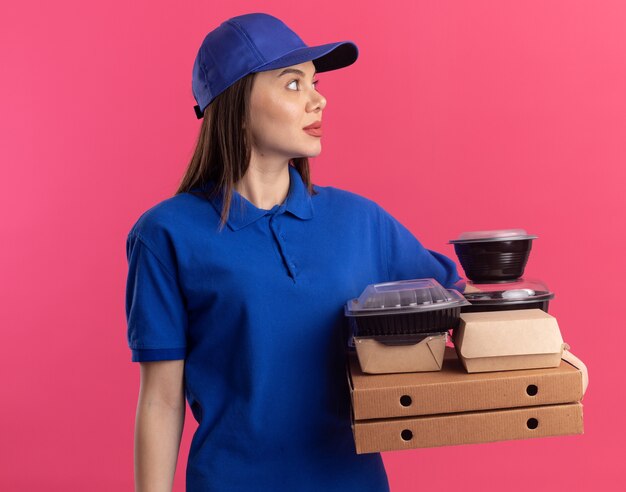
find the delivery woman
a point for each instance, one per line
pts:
(236, 284)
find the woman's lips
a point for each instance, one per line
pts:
(315, 132)
(314, 129)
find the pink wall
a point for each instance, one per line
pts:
(457, 116)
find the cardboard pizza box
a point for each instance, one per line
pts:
(467, 428)
(452, 390)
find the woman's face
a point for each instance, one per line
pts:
(282, 103)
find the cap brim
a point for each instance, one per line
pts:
(325, 57)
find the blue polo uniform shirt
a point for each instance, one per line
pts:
(256, 312)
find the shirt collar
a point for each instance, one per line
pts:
(242, 212)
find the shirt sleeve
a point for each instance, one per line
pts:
(407, 259)
(156, 313)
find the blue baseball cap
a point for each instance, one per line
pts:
(255, 43)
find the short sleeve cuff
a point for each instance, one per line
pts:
(150, 355)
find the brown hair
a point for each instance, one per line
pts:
(223, 149)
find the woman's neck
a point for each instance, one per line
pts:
(264, 187)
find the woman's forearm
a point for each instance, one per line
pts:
(158, 431)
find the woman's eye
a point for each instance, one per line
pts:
(297, 81)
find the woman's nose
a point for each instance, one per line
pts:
(317, 101)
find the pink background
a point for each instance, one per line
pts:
(457, 116)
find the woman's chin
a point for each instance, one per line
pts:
(317, 152)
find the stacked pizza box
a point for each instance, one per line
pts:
(508, 376)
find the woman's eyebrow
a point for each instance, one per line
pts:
(294, 70)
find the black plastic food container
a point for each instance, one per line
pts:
(404, 308)
(405, 324)
(520, 294)
(493, 256)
